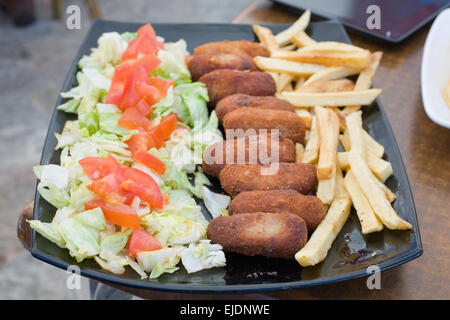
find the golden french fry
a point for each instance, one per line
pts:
(326, 188)
(289, 87)
(331, 99)
(275, 77)
(369, 221)
(390, 196)
(353, 59)
(355, 133)
(331, 46)
(312, 146)
(365, 78)
(307, 132)
(382, 169)
(375, 194)
(266, 37)
(299, 152)
(284, 66)
(305, 115)
(345, 140)
(299, 83)
(328, 86)
(285, 36)
(332, 73)
(341, 192)
(320, 242)
(371, 144)
(301, 39)
(283, 80)
(288, 47)
(341, 118)
(328, 126)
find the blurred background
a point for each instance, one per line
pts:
(36, 51)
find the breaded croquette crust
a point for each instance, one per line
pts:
(308, 207)
(252, 49)
(225, 82)
(289, 124)
(266, 234)
(260, 147)
(237, 101)
(203, 63)
(237, 178)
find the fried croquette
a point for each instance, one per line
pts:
(289, 124)
(237, 101)
(249, 48)
(308, 207)
(262, 149)
(225, 82)
(237, 178)
(266, 234)
(203, 63)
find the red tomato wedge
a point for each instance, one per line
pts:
(162, 132)
(131, 95)
(141, 240)
(150, 194)
(150, 161)
(162, 85)
(142, 185)
(108, 188)
(144, 108)
(136, 175)
(97, 167)
(121, 74)
(123, 71)
(132, 119)
(141, 141)
(149, 62)
(128, 197)
(146, 30)
(142, 44)
(149, 93)
(116, 213)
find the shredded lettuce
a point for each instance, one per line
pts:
(215, 202)
(159, 261)
(172, 229)
(77, 232)
(171, 67)
(48, 231)
(191, 106)
(180, 225)
(57, 197)
(115, 242)
(128, 36)
(202, 255)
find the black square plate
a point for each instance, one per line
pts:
(351, 252)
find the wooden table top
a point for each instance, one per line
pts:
(425, 148)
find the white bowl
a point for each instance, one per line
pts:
(436, 69)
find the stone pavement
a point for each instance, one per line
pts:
(33, 64)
